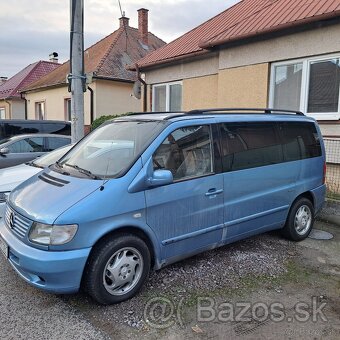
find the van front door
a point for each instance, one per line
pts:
(186, 215)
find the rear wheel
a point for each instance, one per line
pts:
(300, 220)
(117, 269)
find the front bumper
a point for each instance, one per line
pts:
(57, 272)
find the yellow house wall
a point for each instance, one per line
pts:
(14, 110)
(200, 92)
(115, 98)
(243, 86)
(5, 106)
(54, 99)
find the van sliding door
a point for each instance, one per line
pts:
(258, 185)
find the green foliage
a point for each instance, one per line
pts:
(99, 121)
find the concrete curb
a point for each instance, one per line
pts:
(330, 213)
(333, 219)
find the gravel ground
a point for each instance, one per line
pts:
(221, 268)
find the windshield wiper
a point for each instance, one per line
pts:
(60, 166)
(35, 165)
(83, 171)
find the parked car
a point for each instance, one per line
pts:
(13, 176)
(147, 190)
(14, 127)
(24, 148)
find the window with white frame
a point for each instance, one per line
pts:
(2, 113)
(40, 110)
(311, 85)
(167, 97)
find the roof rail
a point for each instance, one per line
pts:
(243, 110)
(154, 112)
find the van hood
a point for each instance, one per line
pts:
(47, 195)
(13, 176)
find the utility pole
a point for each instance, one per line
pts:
(76, 77)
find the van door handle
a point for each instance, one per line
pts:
(213, 191)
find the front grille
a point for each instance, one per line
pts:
(16, 222)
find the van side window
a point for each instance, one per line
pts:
(249, 145)
(186, 152)
(299, 140)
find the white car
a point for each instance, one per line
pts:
(15, 175)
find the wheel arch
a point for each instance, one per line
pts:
(307, 194)
(136, 231)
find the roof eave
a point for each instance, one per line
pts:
(114, 79)
(43, 88)
(210, 44)
(169, 60)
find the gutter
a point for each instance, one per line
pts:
(24, 98)
(91, 104)
(167, 61)
(212, 43)
(145, 94)
(10, 108)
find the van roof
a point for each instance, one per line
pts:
(231, 113)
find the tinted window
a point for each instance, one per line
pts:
(55, 143)
(249, 145)
(56, 128)
(27, 145)
(14, 129)
(299, 140)
(9, 129)
(186, 152)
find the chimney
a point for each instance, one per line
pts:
(124, 21)
(54, 57)
(3, 80)
(143, 29)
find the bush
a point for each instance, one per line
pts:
(99, 121)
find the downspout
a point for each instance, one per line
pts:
(24, 98)
(145, 94)
(10, 108)
(91, 104)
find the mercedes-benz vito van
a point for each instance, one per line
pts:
(150, 189)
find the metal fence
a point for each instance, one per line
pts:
(333, 167)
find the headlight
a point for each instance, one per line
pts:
(4, 196)
(52, 234)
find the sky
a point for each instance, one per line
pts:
(31, 29)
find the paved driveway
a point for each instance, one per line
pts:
(178, 299)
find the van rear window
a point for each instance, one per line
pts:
(299, 140)
(248, 145)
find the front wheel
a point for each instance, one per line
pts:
(117, 269)
(300, 220)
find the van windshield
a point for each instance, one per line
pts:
(110, 150)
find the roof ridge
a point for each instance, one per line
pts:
(240, 21)
(100, 64)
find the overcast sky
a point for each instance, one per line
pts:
(31, 29)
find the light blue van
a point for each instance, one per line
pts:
(150, 189)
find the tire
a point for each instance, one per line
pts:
(300, 220)
(117, 269)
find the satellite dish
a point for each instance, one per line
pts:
(137, 89)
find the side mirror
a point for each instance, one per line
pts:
(160, 177)
(4, 151)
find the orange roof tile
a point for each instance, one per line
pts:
(246, 19)
(107, 58)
